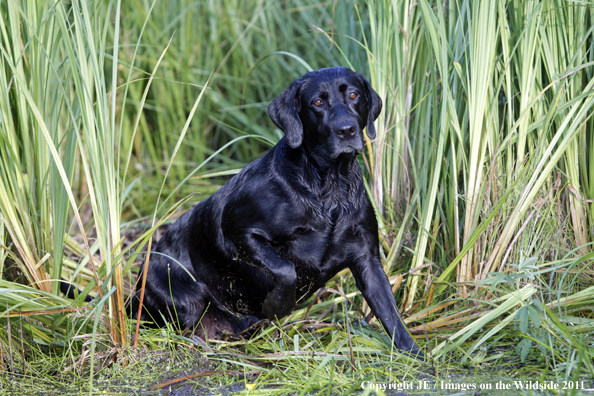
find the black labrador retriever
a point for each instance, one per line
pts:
(281, 228)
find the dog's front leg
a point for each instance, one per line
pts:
(375, 287)
(256, 250)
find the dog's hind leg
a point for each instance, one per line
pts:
(217, 323)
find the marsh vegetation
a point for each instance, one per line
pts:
(115, 116)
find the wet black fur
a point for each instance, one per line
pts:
(286, 224)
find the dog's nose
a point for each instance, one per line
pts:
(346, 129)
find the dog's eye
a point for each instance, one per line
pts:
(318, 103)
(353, 95)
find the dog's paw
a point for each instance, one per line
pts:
(278, 303)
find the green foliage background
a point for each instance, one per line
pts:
(114, 114)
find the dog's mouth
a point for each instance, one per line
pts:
(339, 143)
(350, 149)
(346, 148)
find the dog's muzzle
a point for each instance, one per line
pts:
(348, 137)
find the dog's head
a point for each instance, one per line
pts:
(327, 110)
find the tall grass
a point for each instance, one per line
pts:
(61, 111)
(252, 48)
(498, 131)
(93, 106)
(481, 171)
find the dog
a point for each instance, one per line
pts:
(286, 224)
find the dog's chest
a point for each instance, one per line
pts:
(310, 244)
(325, 224)
(314, 246)
(318, 254)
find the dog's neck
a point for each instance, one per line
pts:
(317, 156)
(315, 175)
(326, 166)
(321, 168)
(317, 161)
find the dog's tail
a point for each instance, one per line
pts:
(70, 291)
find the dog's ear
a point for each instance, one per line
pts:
(284, 112)
(374, 107)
